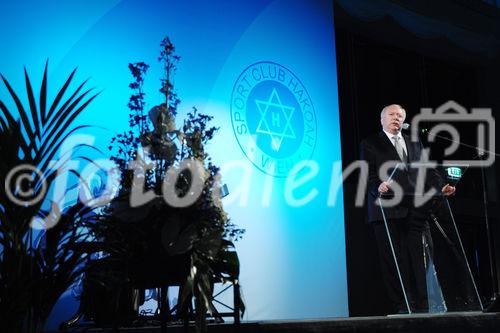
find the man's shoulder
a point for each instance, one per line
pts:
(372, 138)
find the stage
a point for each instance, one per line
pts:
(246, 146)
(455, 322)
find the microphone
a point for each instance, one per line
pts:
(405, 126)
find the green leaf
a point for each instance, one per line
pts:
(54, 136)
(33, 108)
(12, 123)
(60, 94)
(47, 158)
(43, 94)
(3, 123)
(22, 113)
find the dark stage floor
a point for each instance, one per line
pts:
(453, 322)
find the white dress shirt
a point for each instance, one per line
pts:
(401, 140)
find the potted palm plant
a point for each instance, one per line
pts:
(34, 275)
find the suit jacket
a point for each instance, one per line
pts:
(377, 150)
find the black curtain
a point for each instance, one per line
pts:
(373, 73)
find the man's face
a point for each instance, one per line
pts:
(392, 119)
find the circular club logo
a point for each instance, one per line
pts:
(273, 118)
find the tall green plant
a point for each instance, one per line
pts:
(201, 233)
(33, 277)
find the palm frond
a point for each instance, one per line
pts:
(60, 94)
(34, 278)
(43, 94)
(32, 103)
(22, 112)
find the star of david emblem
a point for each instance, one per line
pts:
(280, 117)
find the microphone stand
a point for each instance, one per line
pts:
(494, 305)
(494, 283)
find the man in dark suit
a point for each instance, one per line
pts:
(407, 221)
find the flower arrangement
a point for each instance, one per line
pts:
(167, 224)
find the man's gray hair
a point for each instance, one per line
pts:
(392, 105)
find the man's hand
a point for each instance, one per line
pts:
(448, 190)
(384, 187)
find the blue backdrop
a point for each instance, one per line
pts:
(266, 70)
